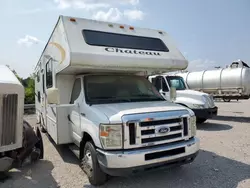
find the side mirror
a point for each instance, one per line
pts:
(53, 96)
(172, 94)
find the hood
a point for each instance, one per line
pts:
(190, 97)
(114, 112)
(190, 93)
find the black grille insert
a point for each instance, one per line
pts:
(167, 153)
(156, 139)
(146, 132)
(185, 125)
(131, 133)
(160, 122)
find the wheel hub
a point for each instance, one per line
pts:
(87, 163)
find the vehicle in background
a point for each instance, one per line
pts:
(228, 83)
(19, 142)
(93, 94)
(200, 103)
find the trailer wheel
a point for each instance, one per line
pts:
(226, 100)
(90, 165)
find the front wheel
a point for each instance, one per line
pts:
(90, 165)
(200, 120)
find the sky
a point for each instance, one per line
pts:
(208, 33)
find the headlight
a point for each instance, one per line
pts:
(198, 106)
(205, 100)
(111, 136)
(192, 123)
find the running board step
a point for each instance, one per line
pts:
(75, 150)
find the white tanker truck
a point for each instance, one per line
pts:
(232, 82)
(18, 140)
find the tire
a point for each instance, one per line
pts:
(226, 100)
(200, 120)
(95, 175)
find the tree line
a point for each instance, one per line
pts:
(29, 85)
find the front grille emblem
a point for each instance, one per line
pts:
(163, 130)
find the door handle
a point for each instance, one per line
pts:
(69, 119)
(83, 114)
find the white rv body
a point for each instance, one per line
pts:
(73, 61)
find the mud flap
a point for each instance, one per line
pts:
(39, 144)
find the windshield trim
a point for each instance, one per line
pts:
(109, 101)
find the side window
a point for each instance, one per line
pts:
(49, 75)
(164, 85)
(39, 96)
(38, 76)
(153, 81)
(157, 83)
(76, 90)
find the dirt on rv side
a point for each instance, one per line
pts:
(224, 160)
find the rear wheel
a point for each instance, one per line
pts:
(201, 120)
(90, 165)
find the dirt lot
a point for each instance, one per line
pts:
(224, 160)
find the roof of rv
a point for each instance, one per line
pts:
(7, 76)
(79, 44)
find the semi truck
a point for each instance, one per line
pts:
(94, 96)
(227, 83)
(19, 141)
(202, 104)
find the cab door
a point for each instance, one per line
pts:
(74, 115)
(43, 102)
(161, 85)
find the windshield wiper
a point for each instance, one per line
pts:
(147, 97)
(111, 99)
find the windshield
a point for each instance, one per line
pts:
(101, 89)
(176, 82)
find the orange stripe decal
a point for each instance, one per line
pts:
(60, 48)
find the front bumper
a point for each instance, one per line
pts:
(121, 163)
(205, 112)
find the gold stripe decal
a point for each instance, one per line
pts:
(60, 48)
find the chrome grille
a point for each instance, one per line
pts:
(8, 118)
(177, 129)
(142, 129)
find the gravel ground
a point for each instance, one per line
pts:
(223, 162)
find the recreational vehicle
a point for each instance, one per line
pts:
(19, 141)
(93, 94)
(202, 104)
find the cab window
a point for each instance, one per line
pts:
(160, 83)
(75, 91)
